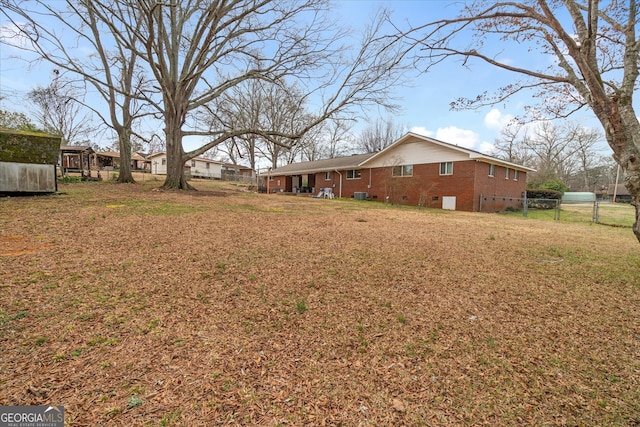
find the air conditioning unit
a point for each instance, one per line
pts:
(360, 195)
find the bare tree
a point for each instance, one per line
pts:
(557, 152)
(331, 139)
(112, 68)
(265, 107)
(596, 51)
(239, 108)
(379, 135)
(510, 147)
(585, 157)
(58, 110)
(554, 149)
(337, 138)
(195, 50)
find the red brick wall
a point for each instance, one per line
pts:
(497, 191)
(426, 187)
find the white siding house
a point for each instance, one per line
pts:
(205, 168)
(199, 166)
(158, 163)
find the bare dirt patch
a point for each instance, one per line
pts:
(131, 306)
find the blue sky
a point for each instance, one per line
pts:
(425, 102)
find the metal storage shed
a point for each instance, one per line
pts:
(28, 162)
(578, 197)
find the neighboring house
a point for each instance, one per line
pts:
(231, 172)
(110, 160)
(414, 170)
(199, 167)
(620, 192)
(158, 163)
(205, 168)
(140, 162)
(28, 162)
(76, 158)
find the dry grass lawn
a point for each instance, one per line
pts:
(132, 306)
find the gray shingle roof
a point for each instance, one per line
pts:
(346, 162)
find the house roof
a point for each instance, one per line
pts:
(621, 190)
(76, 148)
(473, 154)
(361, 160)
(347, 162)
(205, 160)
(113, 154)
(116, 155)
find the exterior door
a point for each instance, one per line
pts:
(449, 203)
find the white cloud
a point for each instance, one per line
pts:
(496, 120)
(486, 147)
(421, 130)
(462, 137)
(12, 36)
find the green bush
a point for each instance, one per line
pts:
(554, 184)
(69, 179)
(544, 194)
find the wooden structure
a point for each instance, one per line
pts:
(28, 162)
(110, 160)
(76, 158)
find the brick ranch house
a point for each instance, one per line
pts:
(414, 170)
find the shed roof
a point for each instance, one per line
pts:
(76, 149)
(621, 190)
(578, 197)
(28, 147)
(112, 154)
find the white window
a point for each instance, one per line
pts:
(515, 175)
(328, 176)
(164, 161)
(193, 163)
(271, 178)
(406, 170)
(446, 168)
(354, 174)
(506, 174)
(492, 170)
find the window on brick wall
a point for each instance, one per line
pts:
(328, 176)
(405, 170)
(506, 174)
(446, 168)
(354, 174)
(492, 170)
(515, 175)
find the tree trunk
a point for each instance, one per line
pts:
(175, 158)
(635, 201)
(622, 131)
(124, 141)
(632, 182)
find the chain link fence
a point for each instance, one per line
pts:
(599, 212)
